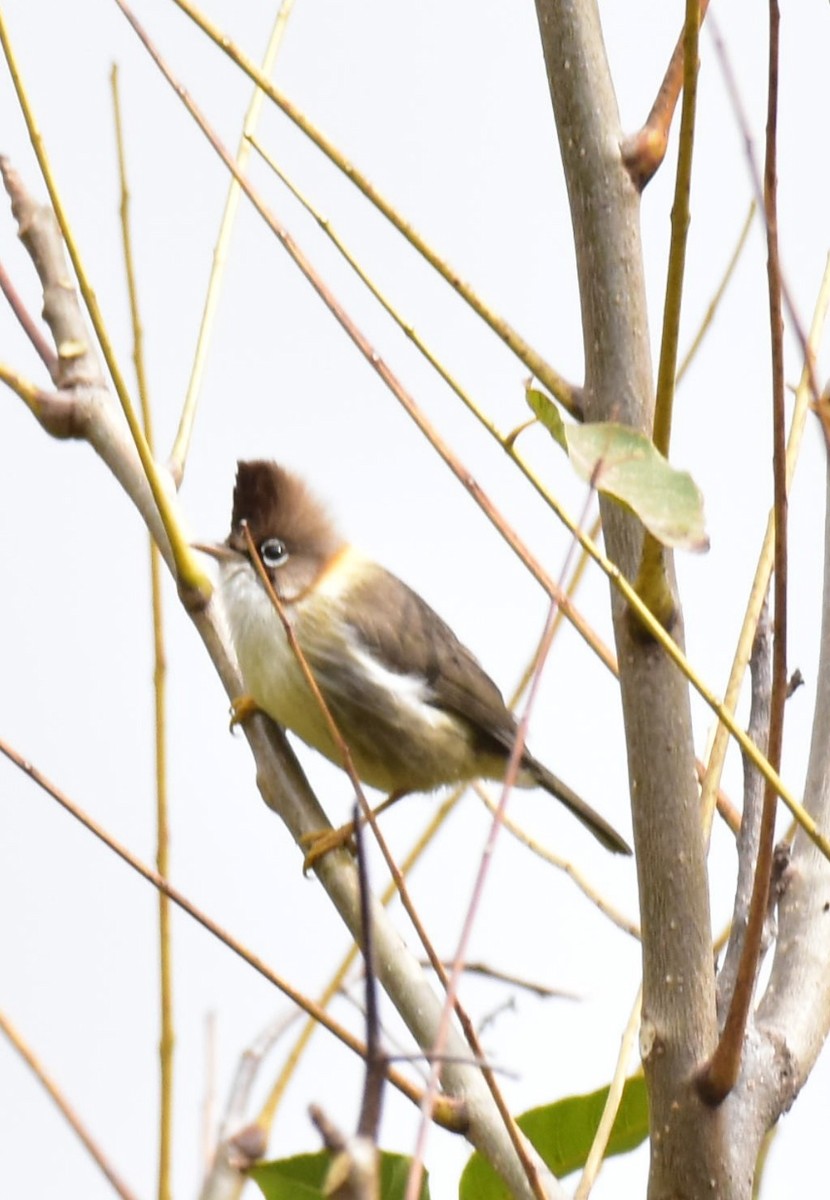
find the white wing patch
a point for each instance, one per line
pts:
(410, 693)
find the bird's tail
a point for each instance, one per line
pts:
(598, 826)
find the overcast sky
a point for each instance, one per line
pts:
(445, 106)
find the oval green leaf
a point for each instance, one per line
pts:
(563, 1134)
(303, 1177)
(623, 463)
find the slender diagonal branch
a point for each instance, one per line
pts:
(721, 1074)
(167, 1036)
(565, 392)
(184, 433)
(65, 1108)
(27, 323)
(446, 1109)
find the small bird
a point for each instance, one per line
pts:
(412, 704)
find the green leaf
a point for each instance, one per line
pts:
(626, 464)
(546, 411)
(563, 1133)
(303, 1176)
(622, 463)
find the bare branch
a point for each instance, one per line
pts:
(286, 791)
(644, 151)
(750, 832)
(65, 1108)
(678, 1028)
(794, 1014)
(27, 322)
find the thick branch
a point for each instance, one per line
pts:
(679, 1028)
(279, 777)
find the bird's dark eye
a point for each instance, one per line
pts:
(273, 552)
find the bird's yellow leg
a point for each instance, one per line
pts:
(324, 840)
(243, 707)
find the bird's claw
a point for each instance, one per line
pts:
(242, 707)
(322, 841)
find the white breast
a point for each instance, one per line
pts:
(269, 667)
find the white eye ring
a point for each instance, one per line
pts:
(273, 552)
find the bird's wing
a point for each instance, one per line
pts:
(406, 636)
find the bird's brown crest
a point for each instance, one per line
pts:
(277, 504)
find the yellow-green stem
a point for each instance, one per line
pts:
(566, 393)
(167, 1031)
(181, 446)
(652, 582)
(191, 578)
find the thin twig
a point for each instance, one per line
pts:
(721, 1074)
(405, 326)
(24, 318)
(755, 179)
(241, 1143)
(335, 984)
(192, 580)
(452, 1004)
(406, 866)
(760, 583)
(66, 1110)
(653, 583)
(599, 1145)
(568, 395)
(656, 631)
(167, 1036)
(760, 669)
(562, 864)
(181, 446)
(368, 1125)
(541, 990)
(416, 1169)
(667, 369)
(451, 1112)
(652, 626)
(714, 303)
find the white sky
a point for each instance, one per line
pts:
(446, 108)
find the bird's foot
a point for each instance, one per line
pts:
(242, 707)
(322, 841)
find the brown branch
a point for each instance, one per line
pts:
(370, 1108)
(354, 1172)
(643, 152)
(75, 363)
(568, 394)
(760, 668)
(27, 323)
(65, 1108)
(450, 1112)
(798, 326)
(285, 791)
(446, 980)
(373, 358)
(721, 1074)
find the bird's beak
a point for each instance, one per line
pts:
(218, 550)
